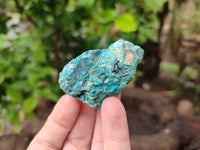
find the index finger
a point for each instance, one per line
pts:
(58, 125)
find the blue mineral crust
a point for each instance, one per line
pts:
(97, 74)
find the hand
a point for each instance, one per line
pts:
(73, 125)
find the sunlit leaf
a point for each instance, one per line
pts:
(126, 23)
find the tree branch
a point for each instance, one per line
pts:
(19, 7)
(21, 11)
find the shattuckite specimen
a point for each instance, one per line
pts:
(97, 74)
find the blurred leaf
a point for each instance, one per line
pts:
(30, 115)
(141, 39)
(20, 84)
(39, 55)
(48, 94)
(10, 71)
(16, 118)
(2, 78)
(127, 3)
(146, 32)
(21, 42)
(126, 23)
(86, 3)
(16, 128)
(14, 94)
(32, 79)
(28, 68)
(46, 31)
(13, 117)
(3, 41)
(190, 73)
(46, 71)
(107, 16)
(138, 74)
(155, 5)
(30, 103)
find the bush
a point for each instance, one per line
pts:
(59, 31)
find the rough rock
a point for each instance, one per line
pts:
(97, 74)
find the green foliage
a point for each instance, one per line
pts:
(126, 23)
(24, 71)
(3, 20)
(59, 31)
(154, 5)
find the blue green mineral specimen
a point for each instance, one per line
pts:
(97, 74)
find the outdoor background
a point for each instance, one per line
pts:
(38, 37)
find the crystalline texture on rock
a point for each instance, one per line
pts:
(97, 74)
